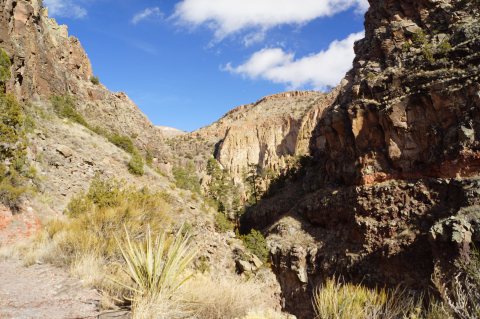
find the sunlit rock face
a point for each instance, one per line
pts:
(47, 61)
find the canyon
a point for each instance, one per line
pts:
(376, 181)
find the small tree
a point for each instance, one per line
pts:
(254, 181)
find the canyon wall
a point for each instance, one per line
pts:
(47, 61)
(392, 192)
(270, 133)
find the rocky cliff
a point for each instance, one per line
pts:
(269, 133)
(47, 61)
(392, 192)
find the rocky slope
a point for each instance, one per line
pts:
(47, 61)
(269, 133)
(393, 189)
(65, 156)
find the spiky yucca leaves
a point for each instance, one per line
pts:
(157, 267)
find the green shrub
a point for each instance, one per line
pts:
(95, 80)
(122, 141)
(444, 47)
(5, 65)
(256, 243)
(427, 51)
(14, 170)
(64, 106)
(420, 38)
(102, 194)
(12, 188)
(186, 178)
(135, 166)
(222, 223)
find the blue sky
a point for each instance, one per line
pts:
(187, 62)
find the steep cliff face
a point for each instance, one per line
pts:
(267, 133)
(47, 61)
(270, 131)
(393, 188)
(411, 107)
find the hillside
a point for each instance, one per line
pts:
(76, 144)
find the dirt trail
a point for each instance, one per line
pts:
(43, 291)
(39, 291)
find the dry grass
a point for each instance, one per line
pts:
(152, 271)
(339, 300)
(223, 298)
(264, 314)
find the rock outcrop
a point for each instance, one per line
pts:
(393, 189)
(47, 61)
(268, 133)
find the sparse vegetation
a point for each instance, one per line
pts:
(64, 106)
(461, 294)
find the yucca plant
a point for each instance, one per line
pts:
(157, 267)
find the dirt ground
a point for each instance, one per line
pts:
(43, 291)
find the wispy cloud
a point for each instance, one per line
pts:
(320, 71)
(65, 8)
(148, 13)
(227, 17)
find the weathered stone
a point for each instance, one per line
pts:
(65, 151)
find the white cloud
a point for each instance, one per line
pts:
(65, 8)
(227, 17)
(321, 70)
(146, 14)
